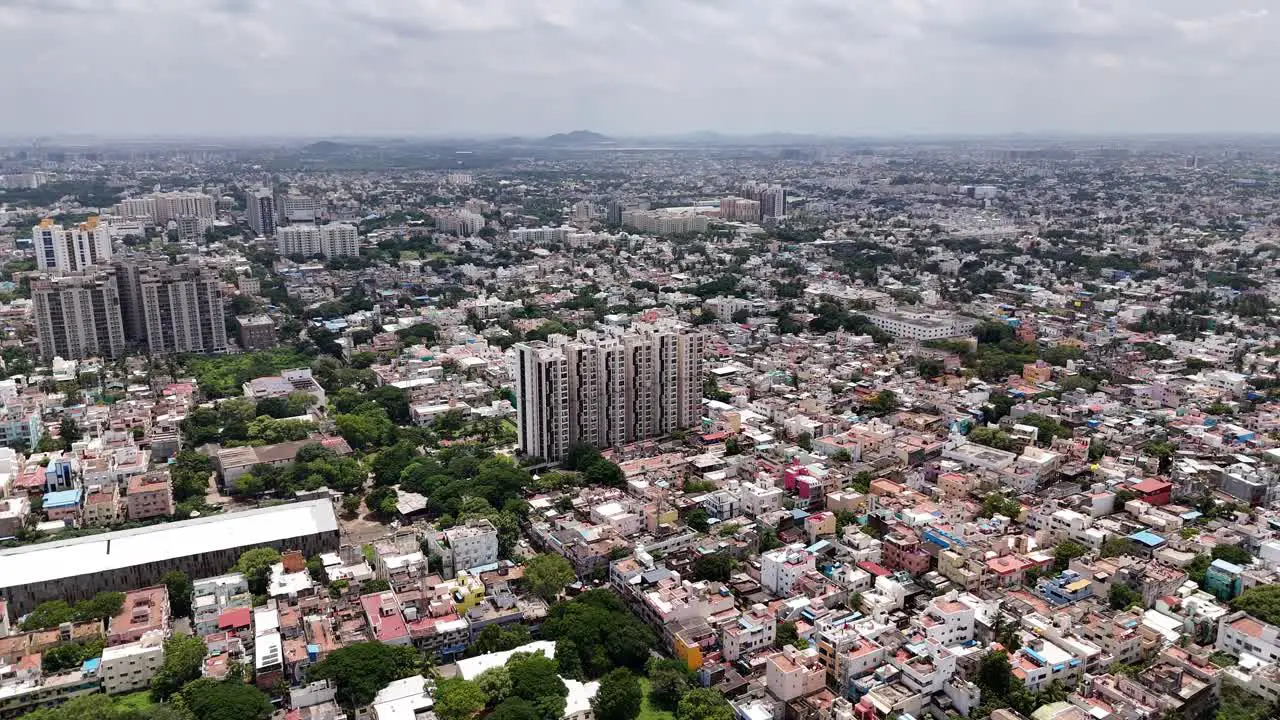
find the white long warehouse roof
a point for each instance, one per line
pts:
(127, 548)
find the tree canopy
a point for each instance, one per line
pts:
(362, 669)
(547, 575)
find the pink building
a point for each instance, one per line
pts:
(149, 496)
(143, 611)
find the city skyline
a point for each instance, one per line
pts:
(237, 68)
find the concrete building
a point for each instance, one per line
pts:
(1250, 639)
(71, 249)
(257, 332)
(129, 667)
(144, 611)
(149, 496)
(921, 326)
(77, 316)
(463, 547)
(736, 209)
(607, 389)
(172, 308)
(781, 568)
(261, 211)
(297, 208)
(792, 674)
(76, 569)
(332, 240)
(173, 205)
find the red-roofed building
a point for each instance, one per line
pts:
(1154, 492)
(386, 618)
(143, 611)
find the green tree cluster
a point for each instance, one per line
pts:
(53, 613)
(362, 669)
(605, 634)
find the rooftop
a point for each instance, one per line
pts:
(126, 548)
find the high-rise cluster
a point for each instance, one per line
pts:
(99, 309)
(70, 249)
(607, 389)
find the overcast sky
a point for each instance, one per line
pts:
(472, 67)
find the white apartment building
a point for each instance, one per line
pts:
(793, 673)
(947, 620)
(261, 211)
(129, 667)
(665, 222)
(542, 401)
(143, 207)
(332, 240)
(781, 568)
(299, 208)
(758, 500)
(748, 633)
(460, 222)
(463, 547)
(71, 249)
(921, 326)
(541, 235)
(1246, 637)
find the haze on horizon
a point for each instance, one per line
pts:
(636, 67)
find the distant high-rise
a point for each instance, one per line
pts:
(77, 315)
(295, 208)
(171, 308)
(174, 205)
(607, 390)
(70, 249)
(736, 209)
(772, 199)
(261, 211)
(332, 240)
(613, 213)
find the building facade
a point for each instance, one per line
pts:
(70, 249)
(332, 240)
(77, 315)
(607, 389)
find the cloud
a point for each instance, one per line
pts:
(312, 67)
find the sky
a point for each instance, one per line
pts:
(472, 68)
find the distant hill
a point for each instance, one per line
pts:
(328, 147)
(577, 137)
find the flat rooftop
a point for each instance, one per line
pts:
(44, 562)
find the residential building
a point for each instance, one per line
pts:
(261, 211)
(130, 667)
(607, 389)
(467, 546)
(164, 207)
(149, 496)
(1250, 639)
(257, 332)
(71, 249)
(144, 611)
(781, 568)
(332, 240)
(298, 208)
(172, 308)
(77, 316)
(792, 673)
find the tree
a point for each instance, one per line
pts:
(495, 683)
(605, 472)
(698, 520)
(534, 678)
(805, 440)
(1065, 552)
(1260, 601)
(704, 704)
(495, 638)
(255, 565)
(605, 632)
(714, 566)
(70, 655)
(547, 575)
(180, 592)
(183, 662)
(619, 696)
(351, 504)
(458, 699)
(786, 635)
(995, 675)
(514, 709)
(886, 402)
(1232, 554)
(391, 462)
(669, 680)
(362, 669)
(69, 432)
(1115, 547)
(1122, 596)
(210, 699)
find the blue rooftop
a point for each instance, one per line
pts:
(91, 665)
(1227, 567)
(1147, 538)
(799, 514)
(62, 498)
